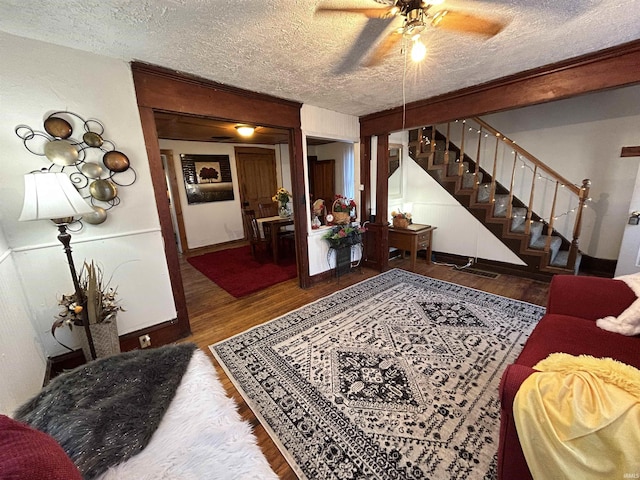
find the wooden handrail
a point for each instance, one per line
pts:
(517, 148)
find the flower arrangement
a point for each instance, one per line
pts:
(343, 204)
(282, 196)
(343, 236)
(101, 302)
(400, 215)
(400, 219)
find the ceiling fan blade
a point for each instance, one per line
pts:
(369, 35)
(383, 48)
(367, 12)
(467, 23)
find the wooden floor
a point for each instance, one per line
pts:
(216, 315)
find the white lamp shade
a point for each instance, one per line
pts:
(51, 195)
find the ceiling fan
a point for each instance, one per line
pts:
(416, 16)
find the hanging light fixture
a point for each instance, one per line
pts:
(245, 130)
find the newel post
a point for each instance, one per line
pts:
(583, 195)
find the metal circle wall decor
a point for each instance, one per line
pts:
(97, 168)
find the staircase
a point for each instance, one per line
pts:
(472, 181)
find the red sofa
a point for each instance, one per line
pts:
(568, 326)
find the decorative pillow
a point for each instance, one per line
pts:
(28, 454)
(628, 322)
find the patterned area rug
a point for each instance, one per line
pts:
(393, 378)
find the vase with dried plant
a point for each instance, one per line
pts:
(101, 306)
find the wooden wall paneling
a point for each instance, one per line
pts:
(300, 210)
(175, 195)
(609, 68)
(181, 327)
(165, 90)
(365, 178)
(382, 200)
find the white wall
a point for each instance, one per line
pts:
(37, 79)
(22, 360)
(581, 138)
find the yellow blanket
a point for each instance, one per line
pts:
(579, 417)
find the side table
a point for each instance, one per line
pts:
(413, 238)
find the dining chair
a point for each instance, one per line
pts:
(268, 209)
(260, 246)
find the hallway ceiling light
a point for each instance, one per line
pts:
(245, 130)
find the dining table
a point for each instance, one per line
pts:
(269, 228)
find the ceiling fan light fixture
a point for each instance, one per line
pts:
(245, 130)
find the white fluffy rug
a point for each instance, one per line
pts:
(201, 436)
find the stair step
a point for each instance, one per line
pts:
(518, 216)
(562, 258)
(484, 192)
(500, 205)
(554, 248)
(453, 166)
(441, 145)
(535, 230)
(438, 158)
(469, 179)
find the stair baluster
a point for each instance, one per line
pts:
(513, 179)
(461, 159)
(492, 194)
(582, 198)
(552, 220)
(527, 225)
(476, 175)
(446, 146)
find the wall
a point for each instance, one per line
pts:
(37, 79)
(218, 222)
(581, 138)
(22, 360)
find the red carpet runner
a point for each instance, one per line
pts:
(236, 271)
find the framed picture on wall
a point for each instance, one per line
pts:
(207, 178)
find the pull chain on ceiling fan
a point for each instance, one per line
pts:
(417, 16)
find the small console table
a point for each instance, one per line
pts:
(413, 238)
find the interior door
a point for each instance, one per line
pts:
(322, 182)
(256, 175)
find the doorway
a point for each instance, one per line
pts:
(257, 176)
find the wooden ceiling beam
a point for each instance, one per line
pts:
(602, 70)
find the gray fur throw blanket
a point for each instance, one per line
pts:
(106, 411)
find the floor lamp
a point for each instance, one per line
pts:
(52, 196)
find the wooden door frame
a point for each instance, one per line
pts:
(164, 90)
(606, 69)
(177, 203)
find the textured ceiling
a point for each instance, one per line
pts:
(281, 47)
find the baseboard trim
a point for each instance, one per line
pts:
(58, 364)
(598, 267)
(161, 334)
